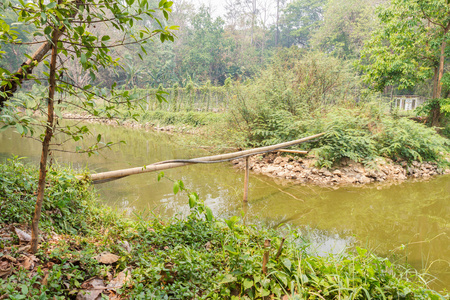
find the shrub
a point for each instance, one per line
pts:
(62, 206)
(408, 140)
(346, 136)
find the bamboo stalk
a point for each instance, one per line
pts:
(266, 256)
(246, 178)
(293, 151)
(170, 165)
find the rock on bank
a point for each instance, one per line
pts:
(303, 170)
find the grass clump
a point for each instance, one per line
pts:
(66, 199)
(197, 257)
(190, 118)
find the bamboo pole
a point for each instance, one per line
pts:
(292, 151)
(164, 166)
(246, 178)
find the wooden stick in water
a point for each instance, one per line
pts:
(246, 178)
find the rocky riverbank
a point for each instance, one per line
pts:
(303, 170)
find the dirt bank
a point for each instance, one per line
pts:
(303, 170)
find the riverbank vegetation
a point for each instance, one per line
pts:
(146, 256)
(246, 79)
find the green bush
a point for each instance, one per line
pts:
(404, 139)
(190, 118)
(62, 206)
(346, 136)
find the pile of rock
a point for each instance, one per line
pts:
(303, 170)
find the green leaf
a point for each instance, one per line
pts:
(50, 5)
(209, 214)
(287, 263)
(176, 187)
(43, 18)
(83, 58)
(19, 128)
(160, 175)
(105, 38)
(228, 278)
(99, 137)
(230, 249)
(4, 128)
(48, 30)
(192, 201)
(248, 284)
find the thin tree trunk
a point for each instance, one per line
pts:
(436, 111)
(45, 144)
(435, 81)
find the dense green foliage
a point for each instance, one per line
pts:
(198, 257)
(66, 199)
(363, 137)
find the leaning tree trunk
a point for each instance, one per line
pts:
(45, 144)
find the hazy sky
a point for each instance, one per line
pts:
(217, 6)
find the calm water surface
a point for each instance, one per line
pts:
(408, 221)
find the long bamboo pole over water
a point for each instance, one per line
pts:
(111, 175)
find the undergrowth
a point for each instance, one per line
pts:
(198, 257)
(360, 133)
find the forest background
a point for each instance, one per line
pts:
(305, 58)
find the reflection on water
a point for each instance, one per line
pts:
(409, 220)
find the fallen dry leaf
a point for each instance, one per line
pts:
(5, 268)
(10, 258)
(24, 248)
(107, 258)
(125, 245)
(23, 236)
(26, 262)
(92, 289)
(93, 283)
(208, 245)
(120, 279)
(89, 295)
(45, 280)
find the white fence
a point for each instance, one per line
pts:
(408, 102)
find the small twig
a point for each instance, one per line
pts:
(280, 248)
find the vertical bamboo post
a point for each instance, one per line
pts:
(246, 180)
(266, 256)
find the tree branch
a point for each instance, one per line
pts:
(27, 67)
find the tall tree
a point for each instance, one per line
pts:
(65, 28)
(300, 19)
(346, 25)
(410, 47)
(205, 48)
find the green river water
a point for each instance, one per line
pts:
(405, 222)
